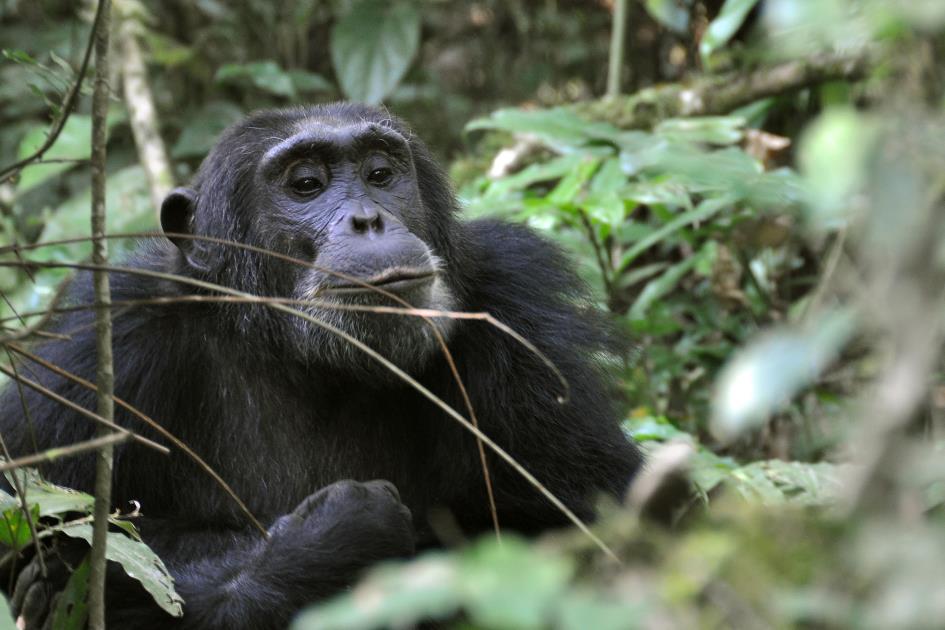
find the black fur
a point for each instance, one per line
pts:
(279, 424)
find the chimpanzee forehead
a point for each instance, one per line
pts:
(329, 140)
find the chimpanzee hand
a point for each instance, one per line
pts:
(34, 596)
(333, 535)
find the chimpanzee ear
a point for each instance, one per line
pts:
(177, 217)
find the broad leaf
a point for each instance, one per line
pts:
(140, 563)
(372, 47)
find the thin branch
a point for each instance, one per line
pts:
(65, 451)
(486, 317)
(721, 94)
(105, 369)
(618, 36)
(68, 105)
(154, 425)
(390, 366)
(18, 483)
(48, 393)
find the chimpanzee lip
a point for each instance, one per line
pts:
(394, 280)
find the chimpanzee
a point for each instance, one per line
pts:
(344, 462)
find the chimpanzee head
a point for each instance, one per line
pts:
(342, 186)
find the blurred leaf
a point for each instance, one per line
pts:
(138, 562)
(572, 183)
(507, 585)
(560, 128)
(579, 610)
(766, 374)
(372, 47)
(267, 76)
(720, 130)
(73, 143)
(204, 127)
(166, 51)
(6, 616)
(834, 154)
(670, 13)
(306, 82)
(724, 26)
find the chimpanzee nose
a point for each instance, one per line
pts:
(366, 220)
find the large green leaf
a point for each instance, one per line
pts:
(372, 47)
(72, 607)
(140, 563)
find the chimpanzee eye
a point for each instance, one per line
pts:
(306, 186)
(380, 176)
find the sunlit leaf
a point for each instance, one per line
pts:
(725, 25)
(673, 14)
(765, 375)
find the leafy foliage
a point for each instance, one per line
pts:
(57, 510)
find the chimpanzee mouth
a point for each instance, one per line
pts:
(395, 280)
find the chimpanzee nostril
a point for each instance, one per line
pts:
(368, 221)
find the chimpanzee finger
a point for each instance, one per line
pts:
(27, 577)
(37, 605)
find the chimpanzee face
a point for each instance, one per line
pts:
(344, 197)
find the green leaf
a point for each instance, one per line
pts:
(511, 585)
(720, 130)
(766, 374)
(73, 143)
(670, 14)
(306, 82)
(559, 128)
(542, 172)
(658, 287)
(204, 127)
(572, 183)
(586, 609)
(6, 616)
(72, 608)
(653, 428)
(267, 76)
(15, 528)
(702, 212)
(372, 47)
(834, 157)
(724, 26)
(50, 499)
(391, 596)
(138, 562)
(166, 51)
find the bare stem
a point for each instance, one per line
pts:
(105, 374)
